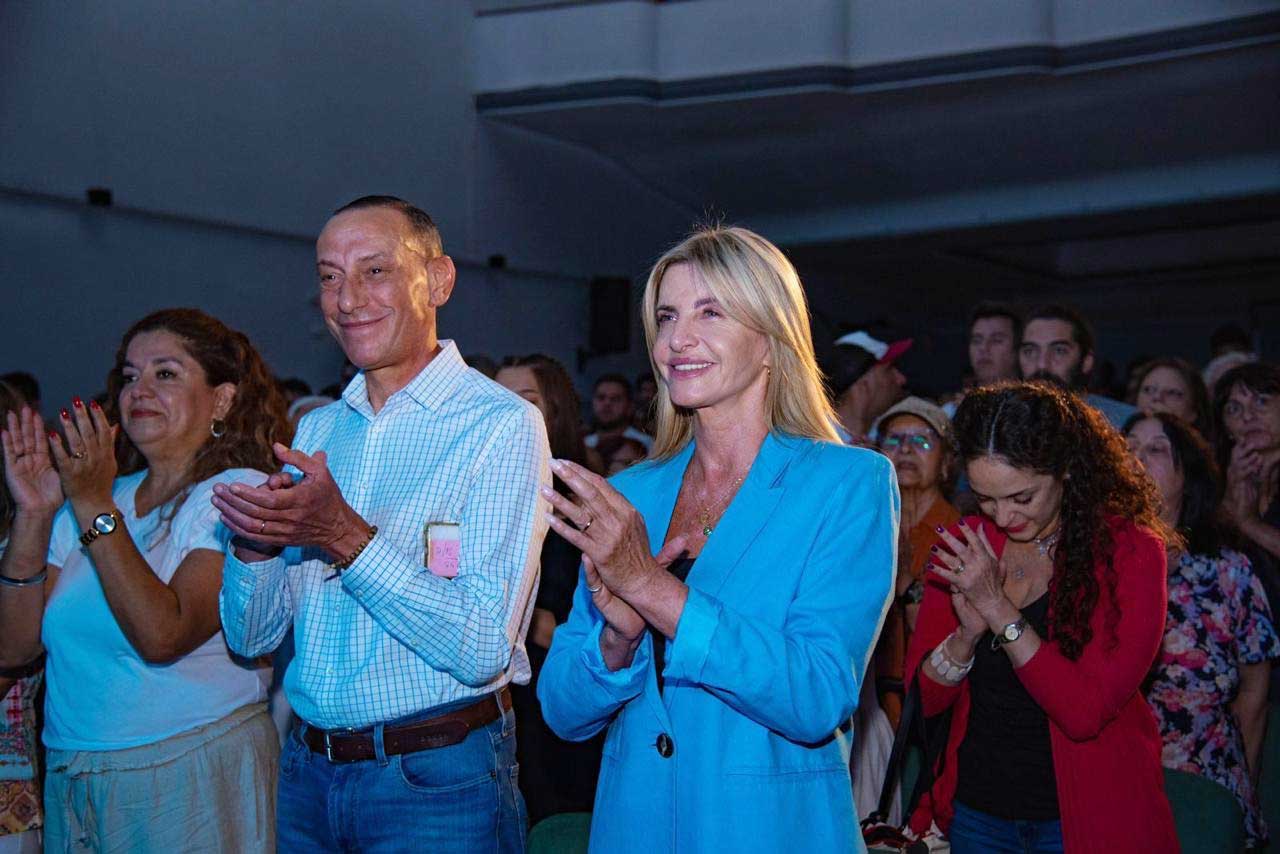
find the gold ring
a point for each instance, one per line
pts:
(583, 529)
(79, 455)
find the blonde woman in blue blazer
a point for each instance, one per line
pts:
(733, 586)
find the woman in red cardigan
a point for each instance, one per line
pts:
(1042, 617)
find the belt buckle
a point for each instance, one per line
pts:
(328, 744)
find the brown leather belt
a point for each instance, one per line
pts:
(341, 745)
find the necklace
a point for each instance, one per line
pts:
(1044, 545)
(704, 518)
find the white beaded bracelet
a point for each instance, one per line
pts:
(948, 668)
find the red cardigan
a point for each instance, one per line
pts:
(1105, 743)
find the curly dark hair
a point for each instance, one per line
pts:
(255, 420)
(1045, 429)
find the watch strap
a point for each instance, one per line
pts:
(999, 640)
(92, 533)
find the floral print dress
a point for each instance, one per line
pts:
(1218, 620)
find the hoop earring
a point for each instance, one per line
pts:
(217, 428)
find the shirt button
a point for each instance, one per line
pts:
(665, 746)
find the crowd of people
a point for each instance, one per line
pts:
(433, 604)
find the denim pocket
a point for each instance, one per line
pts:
(466, 765)
(292, 755)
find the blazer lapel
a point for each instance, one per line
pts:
(744, 518)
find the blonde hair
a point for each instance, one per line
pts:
(756, 285)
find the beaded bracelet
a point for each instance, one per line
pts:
(339, 565)
(946, 666)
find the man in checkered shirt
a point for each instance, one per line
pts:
(401, 543)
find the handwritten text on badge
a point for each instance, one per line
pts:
(444, 544)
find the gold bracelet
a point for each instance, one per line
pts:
(339, 565)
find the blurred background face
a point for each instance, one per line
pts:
(627, 455)
(991, 350)
(1252, 418)
(882, 386)
(611, 406)
(1148, 442)
(1024, 504)
(523, 382)
(1164, 390)
(1049, 351)
(916, 452)
(646, 391)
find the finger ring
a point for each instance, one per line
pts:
(595, 589)
(960, 568)
(583, 529)
(263, 528)
(79, 455)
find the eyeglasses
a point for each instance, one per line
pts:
(916, 441)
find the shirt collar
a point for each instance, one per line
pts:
(432, 386)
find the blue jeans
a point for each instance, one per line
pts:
(974, 832)
(463, 798)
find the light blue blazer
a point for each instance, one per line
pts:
(762, 677)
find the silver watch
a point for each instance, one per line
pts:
(1009, 633)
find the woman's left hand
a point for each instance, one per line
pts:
(87, 462)
(971, 568)
(605, 527)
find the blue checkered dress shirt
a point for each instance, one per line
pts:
(388, 638)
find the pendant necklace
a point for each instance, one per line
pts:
(704, 519)
(1044, 545)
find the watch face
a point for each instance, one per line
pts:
(104, 523)
(1012, 632)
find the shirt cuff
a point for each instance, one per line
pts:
(688, 651)
(242, 581)
(625, 682)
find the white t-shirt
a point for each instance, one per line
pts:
(101, 694)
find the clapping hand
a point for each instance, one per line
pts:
(605, 527)
(282, 512)
(87, 463)
(1244, 471)
(975, 574)
(28, 469)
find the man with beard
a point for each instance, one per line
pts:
(1058, 346)
(611, 410)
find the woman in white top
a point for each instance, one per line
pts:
(157, 739)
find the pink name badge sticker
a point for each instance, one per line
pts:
(444, 545)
